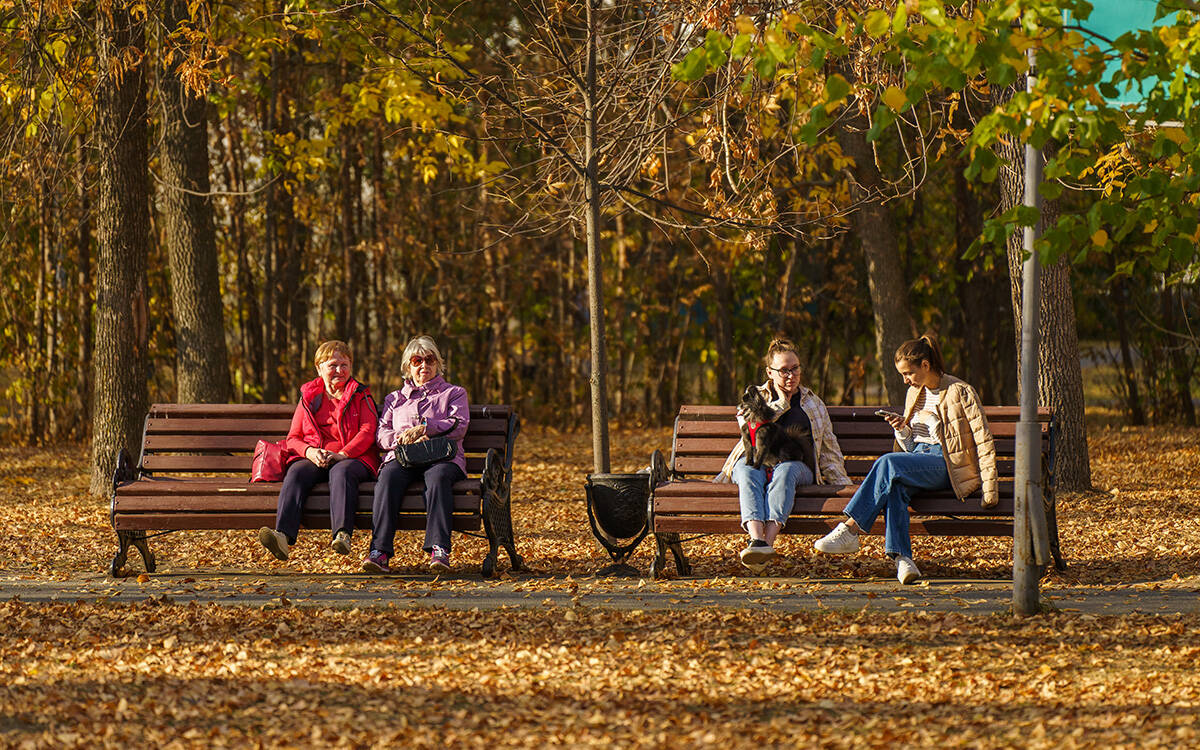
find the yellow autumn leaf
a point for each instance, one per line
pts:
(1100, 238)
(895, 98)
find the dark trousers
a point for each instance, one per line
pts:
(393, 482)
(302, 476)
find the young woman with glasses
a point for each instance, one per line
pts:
(766, 501)
(427, 406)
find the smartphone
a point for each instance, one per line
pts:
(885, 413)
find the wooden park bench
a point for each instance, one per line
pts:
(195, 467)
(686, 501)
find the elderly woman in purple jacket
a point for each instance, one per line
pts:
(427, 406)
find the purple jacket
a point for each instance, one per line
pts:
(443, 408)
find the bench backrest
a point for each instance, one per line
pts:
(220, 438)
(704, 435)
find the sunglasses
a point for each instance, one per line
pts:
(428, 359)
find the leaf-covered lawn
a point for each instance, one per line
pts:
(153, 673)
(147, 675)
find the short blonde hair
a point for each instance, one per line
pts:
(328, 349)
(423, 345)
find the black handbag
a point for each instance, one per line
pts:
(426, 452)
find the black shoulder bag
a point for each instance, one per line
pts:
(435, 449)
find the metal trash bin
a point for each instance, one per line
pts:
(617, 506)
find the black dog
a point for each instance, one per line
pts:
(772, 443)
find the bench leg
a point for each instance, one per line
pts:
(138, 540)
(659, 563)
(1052, 527)
(497, 516)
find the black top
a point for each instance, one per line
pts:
(799, 428)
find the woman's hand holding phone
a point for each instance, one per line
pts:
(892, 418)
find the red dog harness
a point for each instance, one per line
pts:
(753, 429)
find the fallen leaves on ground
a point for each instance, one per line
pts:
(194, 675)
(75, 675)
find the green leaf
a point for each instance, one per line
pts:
(836, 88)
(934, 14)
(900, 20)
(740, 46)
(765, 65)
(692, 67)
(877, 23)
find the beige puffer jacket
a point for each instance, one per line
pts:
(967, 443)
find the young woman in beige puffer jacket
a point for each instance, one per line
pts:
(947, 445)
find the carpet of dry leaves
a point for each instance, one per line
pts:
(88, 674)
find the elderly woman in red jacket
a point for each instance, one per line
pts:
(332, 439)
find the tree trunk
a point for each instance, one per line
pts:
(1060, 380)
(872, 222)
(123, 229)
(1180, 367)
(201, 361)
(722, 318)
(1133, 401)
(83, 262)
(599, 374)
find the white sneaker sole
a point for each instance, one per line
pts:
(340, 546)
(753, 557)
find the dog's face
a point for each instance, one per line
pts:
(753, 406)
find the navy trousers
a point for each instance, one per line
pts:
(344, 478)
(393, 482)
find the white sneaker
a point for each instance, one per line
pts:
(341, 543)
(274, 541)
(840, 541)
(906, 570)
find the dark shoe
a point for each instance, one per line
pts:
(757, 554)
(274, 541)
(341, 543)
(376, 562)
(439, 560)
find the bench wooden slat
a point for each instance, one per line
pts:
(728, 430)
(708, 466)
(865, 413)
(819, 526)
(856, 468)
(240, 464)
(234, 503)
(722, 446)
(826, 505)
(210, 521)
(226, 442)
(223, 486)
(158, 430)
(256, 411)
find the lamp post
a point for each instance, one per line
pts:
(1031, 542)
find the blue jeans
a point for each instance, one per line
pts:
(761, 501)
(888, 488)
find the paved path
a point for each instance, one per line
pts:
(784, 594)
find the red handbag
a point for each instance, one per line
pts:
(268, 462)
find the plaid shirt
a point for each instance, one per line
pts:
(831, 468)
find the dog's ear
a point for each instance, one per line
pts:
(751, 393)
